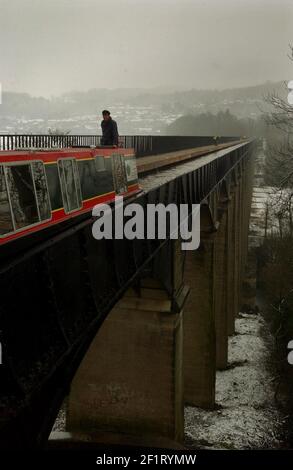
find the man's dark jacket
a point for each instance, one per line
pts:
(110, 132)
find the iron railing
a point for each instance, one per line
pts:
(143, 144)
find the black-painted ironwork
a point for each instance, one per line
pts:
(56, 294)
(143, 144)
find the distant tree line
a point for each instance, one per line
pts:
(221, 124)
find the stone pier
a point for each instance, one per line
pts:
(131, 380)
(199, 321)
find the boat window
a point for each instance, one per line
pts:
(94, 183)
(119, 173)
(131, 170)
(42, 193)
(54, 186)
(77, 181)
(22, 195)
(6, 224)
(88, 178)
(100, 163)
(70, 184)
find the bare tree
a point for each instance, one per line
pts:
(56, 131)
(58, 141)
(281, 118)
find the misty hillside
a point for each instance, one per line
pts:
(138, 111)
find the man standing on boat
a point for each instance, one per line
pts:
(109, 129)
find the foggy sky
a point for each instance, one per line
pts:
(52, 46)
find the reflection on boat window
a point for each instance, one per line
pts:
(77, 181)
(42, 192)
(70, 184)
(119, 173)
(22, 195)
(6, 224)
(63, 186)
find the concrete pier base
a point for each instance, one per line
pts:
(131, 379)
(199, 328)
(221, 287)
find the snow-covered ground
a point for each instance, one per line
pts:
(246, 415)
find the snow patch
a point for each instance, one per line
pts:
(246, 416)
